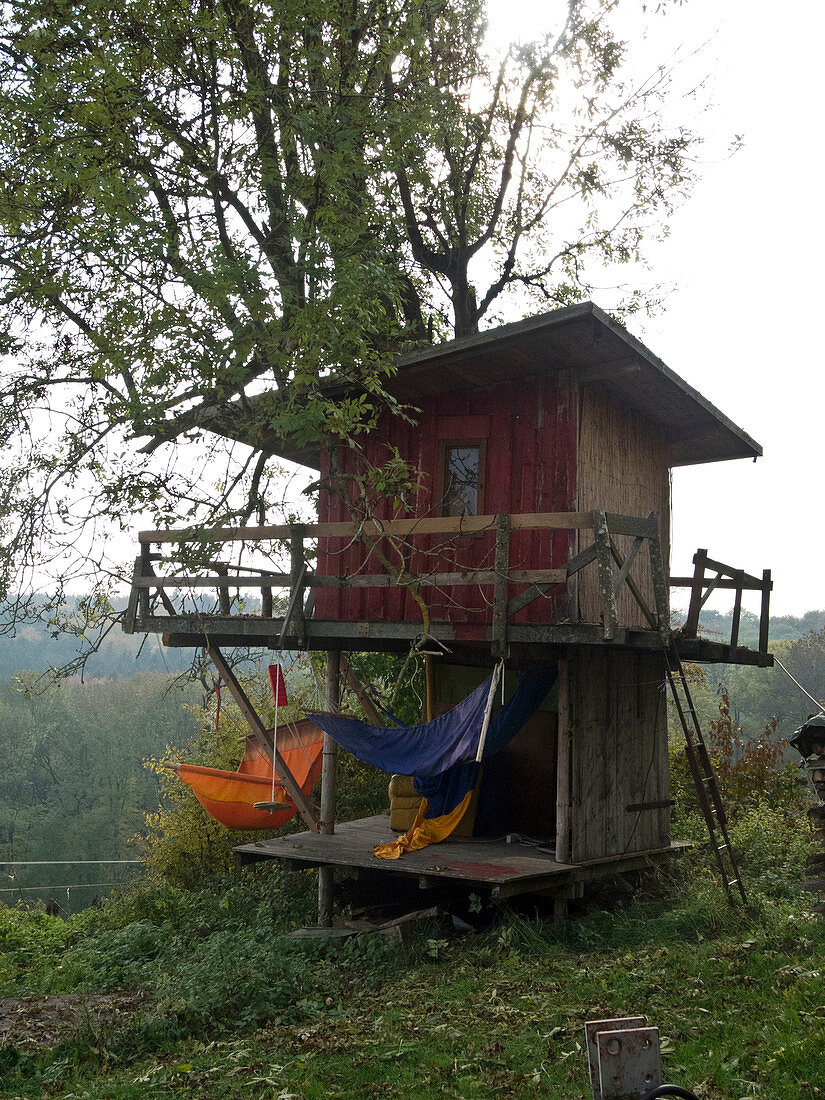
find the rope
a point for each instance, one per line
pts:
(60, 862)
(71, 886)
(216, 685)
(801, 688)
(278, 683)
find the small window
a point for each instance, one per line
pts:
(462, 473)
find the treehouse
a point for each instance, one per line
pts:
(529, 524)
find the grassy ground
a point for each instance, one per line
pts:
(168, 991)
(199, 995)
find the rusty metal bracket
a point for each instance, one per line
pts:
(624, 1058)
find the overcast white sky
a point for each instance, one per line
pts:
(745, 255)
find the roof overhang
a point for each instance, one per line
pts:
(581, 338)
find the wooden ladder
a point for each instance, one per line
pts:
(701, 769)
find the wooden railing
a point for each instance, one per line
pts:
(614, 566)
(726, 577)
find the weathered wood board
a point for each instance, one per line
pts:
(504, 869)
(614, 737)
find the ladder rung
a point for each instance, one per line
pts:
(702, 769)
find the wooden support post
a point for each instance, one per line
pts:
(329, 782)
(563, 764)
(660, 589)
(266, 603)
(764, 614)
(500, 585)
(134, 596)
(660, 586)
(498, 671)
(262, 737)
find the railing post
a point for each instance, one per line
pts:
(145, 571)
(601, 537)
(692, 622)
(297, 572)
(738, 579)
(224, 602)
(657, 574)
(764, 614)
(500, 585)
(266, 602)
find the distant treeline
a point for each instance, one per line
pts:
(782, 628)
(73, 785)
(38, 647)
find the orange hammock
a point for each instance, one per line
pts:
(229, 797)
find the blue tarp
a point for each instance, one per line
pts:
(441, 754)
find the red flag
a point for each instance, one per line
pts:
(276, 678)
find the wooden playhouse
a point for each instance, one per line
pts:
(536, 530)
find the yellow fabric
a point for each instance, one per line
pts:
(425, 832)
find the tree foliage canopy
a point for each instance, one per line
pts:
(202, 201)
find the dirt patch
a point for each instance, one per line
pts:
(48, 1021)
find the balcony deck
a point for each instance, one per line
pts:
(171, 595)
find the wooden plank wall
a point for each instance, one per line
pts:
(623, 467)
(613, 729)
(530, 427)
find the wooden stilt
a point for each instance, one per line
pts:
(429, 688)
(329, 783)
(563, 765)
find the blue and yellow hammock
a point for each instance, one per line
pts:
(441, 756)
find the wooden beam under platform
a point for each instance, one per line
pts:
(505, 870)
(554, 638)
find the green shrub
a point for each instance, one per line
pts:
(239, 977)
(119, 959)
(750, 771)
(771, 846)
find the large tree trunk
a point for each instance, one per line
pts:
(465, 308)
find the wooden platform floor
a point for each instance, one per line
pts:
(491, 865)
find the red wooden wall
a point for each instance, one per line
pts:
(530, 427)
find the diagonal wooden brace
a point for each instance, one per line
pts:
(602, 542)
(291, 786)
